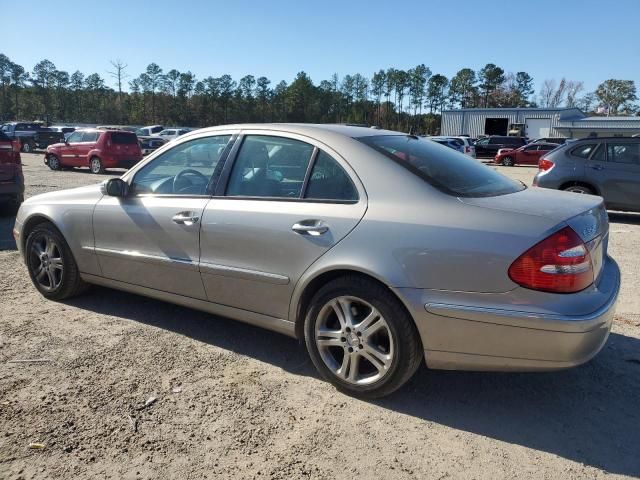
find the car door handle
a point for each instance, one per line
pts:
(597, 167)
(185, 218)
(310, 227)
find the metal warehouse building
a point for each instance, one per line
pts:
(537, 122)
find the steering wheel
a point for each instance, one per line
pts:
(188, 171)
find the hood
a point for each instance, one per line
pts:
(56, 145)
(66, 196)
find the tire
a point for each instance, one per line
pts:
(51, 265)
(54, 162)
(95, 165)
(375, 326)
(507, 162)
(27, 147)
(582, 189)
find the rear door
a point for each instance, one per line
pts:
(287, 201)
(620, 174)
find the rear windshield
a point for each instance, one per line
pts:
(124, 138)
(3, 137)
(449, 171)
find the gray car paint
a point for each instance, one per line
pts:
(617, 183)
(428, 247)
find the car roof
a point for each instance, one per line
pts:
(598, 139)
(318, 130)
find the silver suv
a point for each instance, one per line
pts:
(609, 167)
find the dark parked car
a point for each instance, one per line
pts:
(609, 167)
(31, 135)
(96, 149)
(527, 155)
(488, 147)
(11, 179)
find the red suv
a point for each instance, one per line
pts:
(527, 155)
(96, 149)
(11, 178)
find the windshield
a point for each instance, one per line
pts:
(446, 169)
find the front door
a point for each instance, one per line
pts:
(287, 201)
(68, 152)
(151, 237)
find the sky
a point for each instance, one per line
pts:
(587, 40)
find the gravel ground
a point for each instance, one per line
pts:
(234, 401)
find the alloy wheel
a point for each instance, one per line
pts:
(45, 261)
(26, 148)
(96, 165)
(578, 189)
(354, 340)
(507, 162)
(53, 162)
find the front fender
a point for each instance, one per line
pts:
(71, 212)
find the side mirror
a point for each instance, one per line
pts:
(116, 187)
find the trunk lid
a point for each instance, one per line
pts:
(585, 214)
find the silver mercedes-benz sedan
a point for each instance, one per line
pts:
(375, 247)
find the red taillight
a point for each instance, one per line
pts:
(544, 165)
(16, 145)
(560, 263)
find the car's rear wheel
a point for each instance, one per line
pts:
(27, 147)
(96, 165)
(507, 162)
(360, 337)
(53, 162)
(51, 265)
(579, 189)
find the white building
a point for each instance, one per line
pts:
(537, 122)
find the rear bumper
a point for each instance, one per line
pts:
(501, 338)
(116, 162)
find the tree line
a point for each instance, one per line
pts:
(409, 100)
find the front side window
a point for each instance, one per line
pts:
(530, 148)
(482, 141)
(75, 137)
(269, 166)
(186, 169)
(628, 153)
(447, 170)
(583, 151)
(329, 181)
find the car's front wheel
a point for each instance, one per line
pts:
(27, 147)
(51, 265)
(53, 162)
(360, 337)
(507, 162)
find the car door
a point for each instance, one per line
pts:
(529, 155)
(620, 175)
(82, 149)
(68, 154)
(151, 237)
(481, 147)
(287, 201)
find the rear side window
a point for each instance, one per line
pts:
(583, 151)
(329, 181)
(270, 167)
(628, 153)
(90, 136)
(447, 170)
(122, 138)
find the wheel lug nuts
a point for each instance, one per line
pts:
(348, 329)
(350, 349)
(359, 334)
(343, 339)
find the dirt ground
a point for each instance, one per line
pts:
(134, 388)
